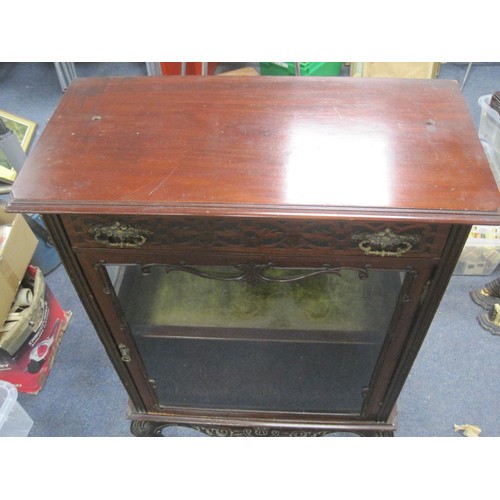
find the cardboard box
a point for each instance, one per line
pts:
(29, 368)
(395, 69)
(15, 255)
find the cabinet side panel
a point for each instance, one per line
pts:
(423, 319)
(79, 281)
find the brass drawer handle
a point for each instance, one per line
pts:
(118, 235)
(386, 243)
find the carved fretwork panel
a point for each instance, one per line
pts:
(259, 432)
(232, 234)
(145, 428)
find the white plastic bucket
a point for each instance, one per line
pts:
(14, 421)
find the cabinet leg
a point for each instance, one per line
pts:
(377, 433)
(146, 428)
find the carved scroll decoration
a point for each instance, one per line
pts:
(146, 428)
(258, 432)
(254, 274)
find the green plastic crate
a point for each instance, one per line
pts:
(306, 68)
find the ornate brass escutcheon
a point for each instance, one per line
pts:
(118, 235)
(125, 353)
(386, 243)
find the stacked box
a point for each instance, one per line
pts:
(481, 253)
(489, 134)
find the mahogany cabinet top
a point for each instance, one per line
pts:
(267, 146)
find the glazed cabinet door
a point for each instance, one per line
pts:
(231, 335)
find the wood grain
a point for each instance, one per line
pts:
(267, 146)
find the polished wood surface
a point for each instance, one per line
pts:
(266, 146)
(322, 174)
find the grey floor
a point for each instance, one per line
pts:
(455, 379)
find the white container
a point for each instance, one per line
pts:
(481, 254)
(489, 134)
(14, 421)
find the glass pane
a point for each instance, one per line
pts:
(257, 337)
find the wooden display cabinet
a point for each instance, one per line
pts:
(260, 256)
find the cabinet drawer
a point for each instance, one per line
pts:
(260, 235)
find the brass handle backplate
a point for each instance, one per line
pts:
(118, 235)
(386, 243)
